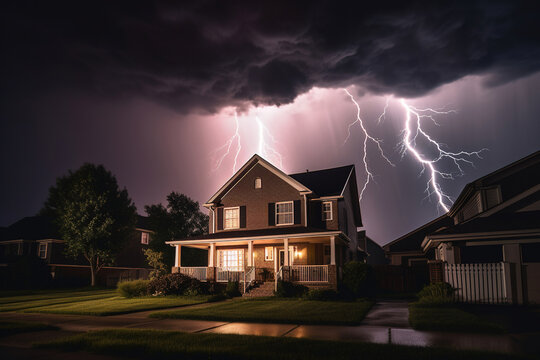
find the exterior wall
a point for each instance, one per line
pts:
(346, 221)
(256, 201)
(532, 282)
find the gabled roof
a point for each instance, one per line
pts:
(412, 241)
(31, 228)
(523, 171)
(143, 223)
(327, 182)
(254, 160)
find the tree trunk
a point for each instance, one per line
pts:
(92, 275)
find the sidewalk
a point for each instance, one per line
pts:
(387, 323)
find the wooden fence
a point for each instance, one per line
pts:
(478, 283)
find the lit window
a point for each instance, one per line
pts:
(232, 218)
(42, 250)
(284, 213)
(258, 183)
(231, 260)
(268, 253)
(327, 210)
(144, 238)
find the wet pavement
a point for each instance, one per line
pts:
(386, 323)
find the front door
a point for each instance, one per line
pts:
(282, 256)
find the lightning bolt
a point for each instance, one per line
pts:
(265, 149)
(228, 146)
(367, 137)
(413, 130)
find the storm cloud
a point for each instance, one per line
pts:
(203, 55)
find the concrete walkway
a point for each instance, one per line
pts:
(387, 323)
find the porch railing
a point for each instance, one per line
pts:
(198, 273)
(309, 273)
(249, 277)
(279, 276)
(227, 274)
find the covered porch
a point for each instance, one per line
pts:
(311, 259)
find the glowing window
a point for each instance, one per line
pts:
(232, 218)
(144, 238)
(258, 183)
(268, 253)
(327, 210)
(231, 260)
(284, 213)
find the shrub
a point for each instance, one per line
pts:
(288, 289)
(321, 295)
(436, 294)
(356, 278)
(135, 288)
(175, 284)
(217, 297)
(232, 289)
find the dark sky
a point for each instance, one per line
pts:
(150, 92)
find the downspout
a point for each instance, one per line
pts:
(213, 219)
(305, 211)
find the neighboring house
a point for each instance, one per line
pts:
(375, 253)
(36, 235)
(407, 249)
(496, 221)
(300, 227)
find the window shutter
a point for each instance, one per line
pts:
(242, 216)
(297, 212)
(271, 214)
(220, 218)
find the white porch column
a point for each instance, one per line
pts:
(286, 253)
(212, 255)
(250, 253)
(332, 250)
(178, 256)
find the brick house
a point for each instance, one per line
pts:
(36, 235)
(266, 225)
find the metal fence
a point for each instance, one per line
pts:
(478, 283)
(309, 273)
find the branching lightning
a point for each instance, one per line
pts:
(367, 136)
(413, 129)
(265, 149)
(235, 139)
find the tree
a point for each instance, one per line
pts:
(180, 219)
(93, 215)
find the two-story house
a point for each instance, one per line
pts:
(265, 224)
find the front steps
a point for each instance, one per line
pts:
(261, 290)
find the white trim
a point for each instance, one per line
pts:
(276, 212)
(242, 257)
(259, 180)
(143, 233)
(39, 249)
(264, 237)
(347, 181)
(225, 217)
(256, 158)
(271, 252)
(331, 211)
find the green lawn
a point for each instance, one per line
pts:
(119, 305)
(130, 343)
(277, 311)
(450, 319)
(22, 302)
(16, 327)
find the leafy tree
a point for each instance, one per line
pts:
(155, 260)
(180, 219)
(93, 215)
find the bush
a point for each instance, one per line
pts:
(288, 289)
(232, 289)
(436, 294)
(321, 295)
(357, 278)
(175, 284)
(135, 288)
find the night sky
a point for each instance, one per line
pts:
(150, 91)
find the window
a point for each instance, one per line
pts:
(258, 183)
(42, 250)
(232, 218)
(232, 260)
(144, 238)
(268, 253)
(284, 213)
(327, 210)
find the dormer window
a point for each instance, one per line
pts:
(327, 210)
(258, 183)
(232, 218)
(145, 238)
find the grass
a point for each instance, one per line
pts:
(15, 327)
(173, 345)
(119, 305)
(451, 319)
(22, 302)
(277, 311)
